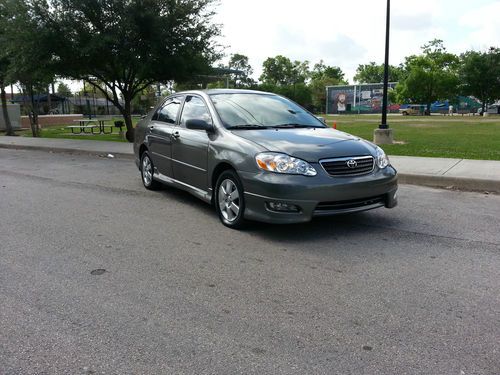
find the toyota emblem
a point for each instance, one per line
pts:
(352, 163)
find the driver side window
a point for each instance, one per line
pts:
(195, 108)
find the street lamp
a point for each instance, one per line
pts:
(86, 95)
(384, 135)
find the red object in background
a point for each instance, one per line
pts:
(335, 124)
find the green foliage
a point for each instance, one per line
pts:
(240, 62)
(64, 90)
(480, 75)
(281, 71)
(129, 45)
(332, 73)
(321, 76)
(27, 50)
(299, 92)
(296, 81)
(431, 76)
(146, 99)
(374, 73)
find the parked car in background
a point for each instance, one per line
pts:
(260, 156)
(494, 109)
(413, 110)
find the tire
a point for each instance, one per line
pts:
(229, 200)
(147, 170)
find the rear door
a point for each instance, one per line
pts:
(160, 134)
(190, 147)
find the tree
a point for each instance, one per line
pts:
(431, 76)
(300, 92)
(64, 90)
(9, 130)
(4, 67)
(322, 71)
(480, 75)
(240, 62)
(322, 76)
(281, 71)
(129, 45)
(374, 73)
(27, 48)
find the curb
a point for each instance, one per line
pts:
(460, 183)
(120, 155)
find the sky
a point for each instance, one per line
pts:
(352, 32)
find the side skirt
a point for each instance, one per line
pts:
(205, 196)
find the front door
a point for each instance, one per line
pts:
(190, 147)
(160, 135)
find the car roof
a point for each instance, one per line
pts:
(224, 91)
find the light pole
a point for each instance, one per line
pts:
(384, 135)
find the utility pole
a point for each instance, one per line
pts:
(384, 135)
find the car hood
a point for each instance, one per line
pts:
(310, 144)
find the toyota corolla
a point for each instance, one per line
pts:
(259, 156)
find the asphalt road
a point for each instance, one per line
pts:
(414, 290)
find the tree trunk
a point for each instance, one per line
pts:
(8, 124)
(428, 111)
(127, 116)
(33, 115)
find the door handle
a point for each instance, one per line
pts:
(151, 127)
(176, 135)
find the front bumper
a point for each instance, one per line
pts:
(321, 195)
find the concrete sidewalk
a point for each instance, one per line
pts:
(463, 174)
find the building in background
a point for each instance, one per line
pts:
(361, 98)
(14, 116)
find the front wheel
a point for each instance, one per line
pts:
(229, 200)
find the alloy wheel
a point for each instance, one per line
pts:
(229, 200)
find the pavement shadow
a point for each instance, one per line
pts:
(362, 224)
(324, 228)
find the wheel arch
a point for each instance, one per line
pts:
(217, 171)
(142, 149)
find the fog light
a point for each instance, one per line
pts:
(282, 207)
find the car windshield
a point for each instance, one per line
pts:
(253, 110)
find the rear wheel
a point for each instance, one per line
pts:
(229, 200)
(147, 171)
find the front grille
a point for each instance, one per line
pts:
(350, 204)
(351, 166)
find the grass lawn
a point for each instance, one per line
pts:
(465, 137)
(60, 131)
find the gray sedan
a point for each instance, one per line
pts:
(259, 156)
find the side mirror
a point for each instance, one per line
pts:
(197, 124)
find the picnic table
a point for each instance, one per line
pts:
(90, 124)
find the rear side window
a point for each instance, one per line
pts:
(195, 108)
(168, 112)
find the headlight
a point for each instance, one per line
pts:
(382, 159)
(282, 163)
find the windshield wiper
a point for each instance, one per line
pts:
(296, 126)
(248, 126)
